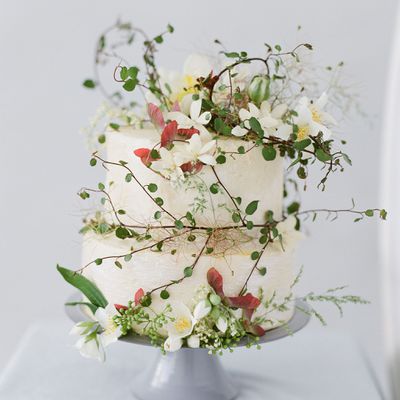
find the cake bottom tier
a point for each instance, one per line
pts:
(150, 269)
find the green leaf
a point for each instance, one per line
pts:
(101, 186)
(88, 288)
(127, 257)
(232, 54)
(214, 188)
(114, 126)
(93, 162)
(123, 73)
(152, 187)
(188, 272)
(158, 39)
(101, 139)
(170, 28)
(133, 72)
(130, 85)
(164, 294)
(89, 84)
(346, 158)
(84, 195)
(235, 217)
(128, 177)
(262, 271)
(249, 225)
(256, 127)
(369, 213)
(221, 127)
(159, 201)
(221, 159)
(269, 153)
(98, 261)
(238, 200)
(122, 233)
(157, 215)
(252, 207)
(254, 255)
(302, 144)
(241, 150)
(301, 173)
(383, 214)
(293, 208)
(92, 307)
(179, 224)
(322, 156)
(118, 264)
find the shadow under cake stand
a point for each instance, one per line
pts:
(191, 374)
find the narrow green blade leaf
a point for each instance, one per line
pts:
(88, 288)
(92, 307)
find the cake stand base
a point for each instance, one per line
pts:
(187, 374)
(192, 374)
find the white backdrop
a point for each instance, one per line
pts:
(46, 49)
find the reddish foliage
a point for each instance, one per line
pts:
(145, 155)
(215, 280)
(247, 302)
(192, 167)
(155, 115)
(138, 296)
(169, 133)
(119, 307)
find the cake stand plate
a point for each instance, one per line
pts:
(191, 373)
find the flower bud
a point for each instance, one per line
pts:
(258, 89)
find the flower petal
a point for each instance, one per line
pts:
(207, 159)
(172, 344)
(239, 131)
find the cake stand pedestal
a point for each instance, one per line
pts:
(191, 374)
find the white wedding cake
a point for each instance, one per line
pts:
(247, 174)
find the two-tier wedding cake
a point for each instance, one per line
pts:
(193, 243)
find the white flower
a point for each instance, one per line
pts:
(168, 165)
(267, 117)
(182, 321)
(312, 119)
(172, 344)
(239, 131)
(193, 341)
(222, 324)
(198, 148)
(202, 309)
(195, 110)
(91, 347)
(197, 65)
(98, 334)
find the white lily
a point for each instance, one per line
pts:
(196, 115)
(193, 341)
(172, 344)
(96, 335)
(222, 324)
(312, 119)
(182, 321)
(267, 116)
(168, 165)
(197, 148)
(202, 309)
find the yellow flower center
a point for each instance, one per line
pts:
(316, 116)
(190, 81)
(302, 133)
(182, 324)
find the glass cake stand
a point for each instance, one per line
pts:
(191, 374)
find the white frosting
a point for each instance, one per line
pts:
(247, 175)
(149, 269)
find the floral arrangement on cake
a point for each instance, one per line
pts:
(207, 118)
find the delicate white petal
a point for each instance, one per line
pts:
(204, 118)
(77, 329)
(268, 122)
(195, 144)
(207, 159)
(322, 101)
(254, 111)
(186, 102)
(182, 324)
(283, 132)
(244, 114)
(111, 335)
(201, 310)
(279, 111)
(222, 324)
(193, 341)
(102, 317)
(91, 349)
(327, 119)
(209, 147)
(172, 344)
(197, 65)
(239, 131)
(195, 109)
(265, 108)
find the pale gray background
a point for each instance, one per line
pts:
(46, 51)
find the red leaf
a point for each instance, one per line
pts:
(155, 115)
(169, 133)
(145, 155)
(216, 281)
(138, 296)
(187, 132)
(254, 329)
(120, 307)
(247, 302)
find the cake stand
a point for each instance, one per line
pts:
(191, 374)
